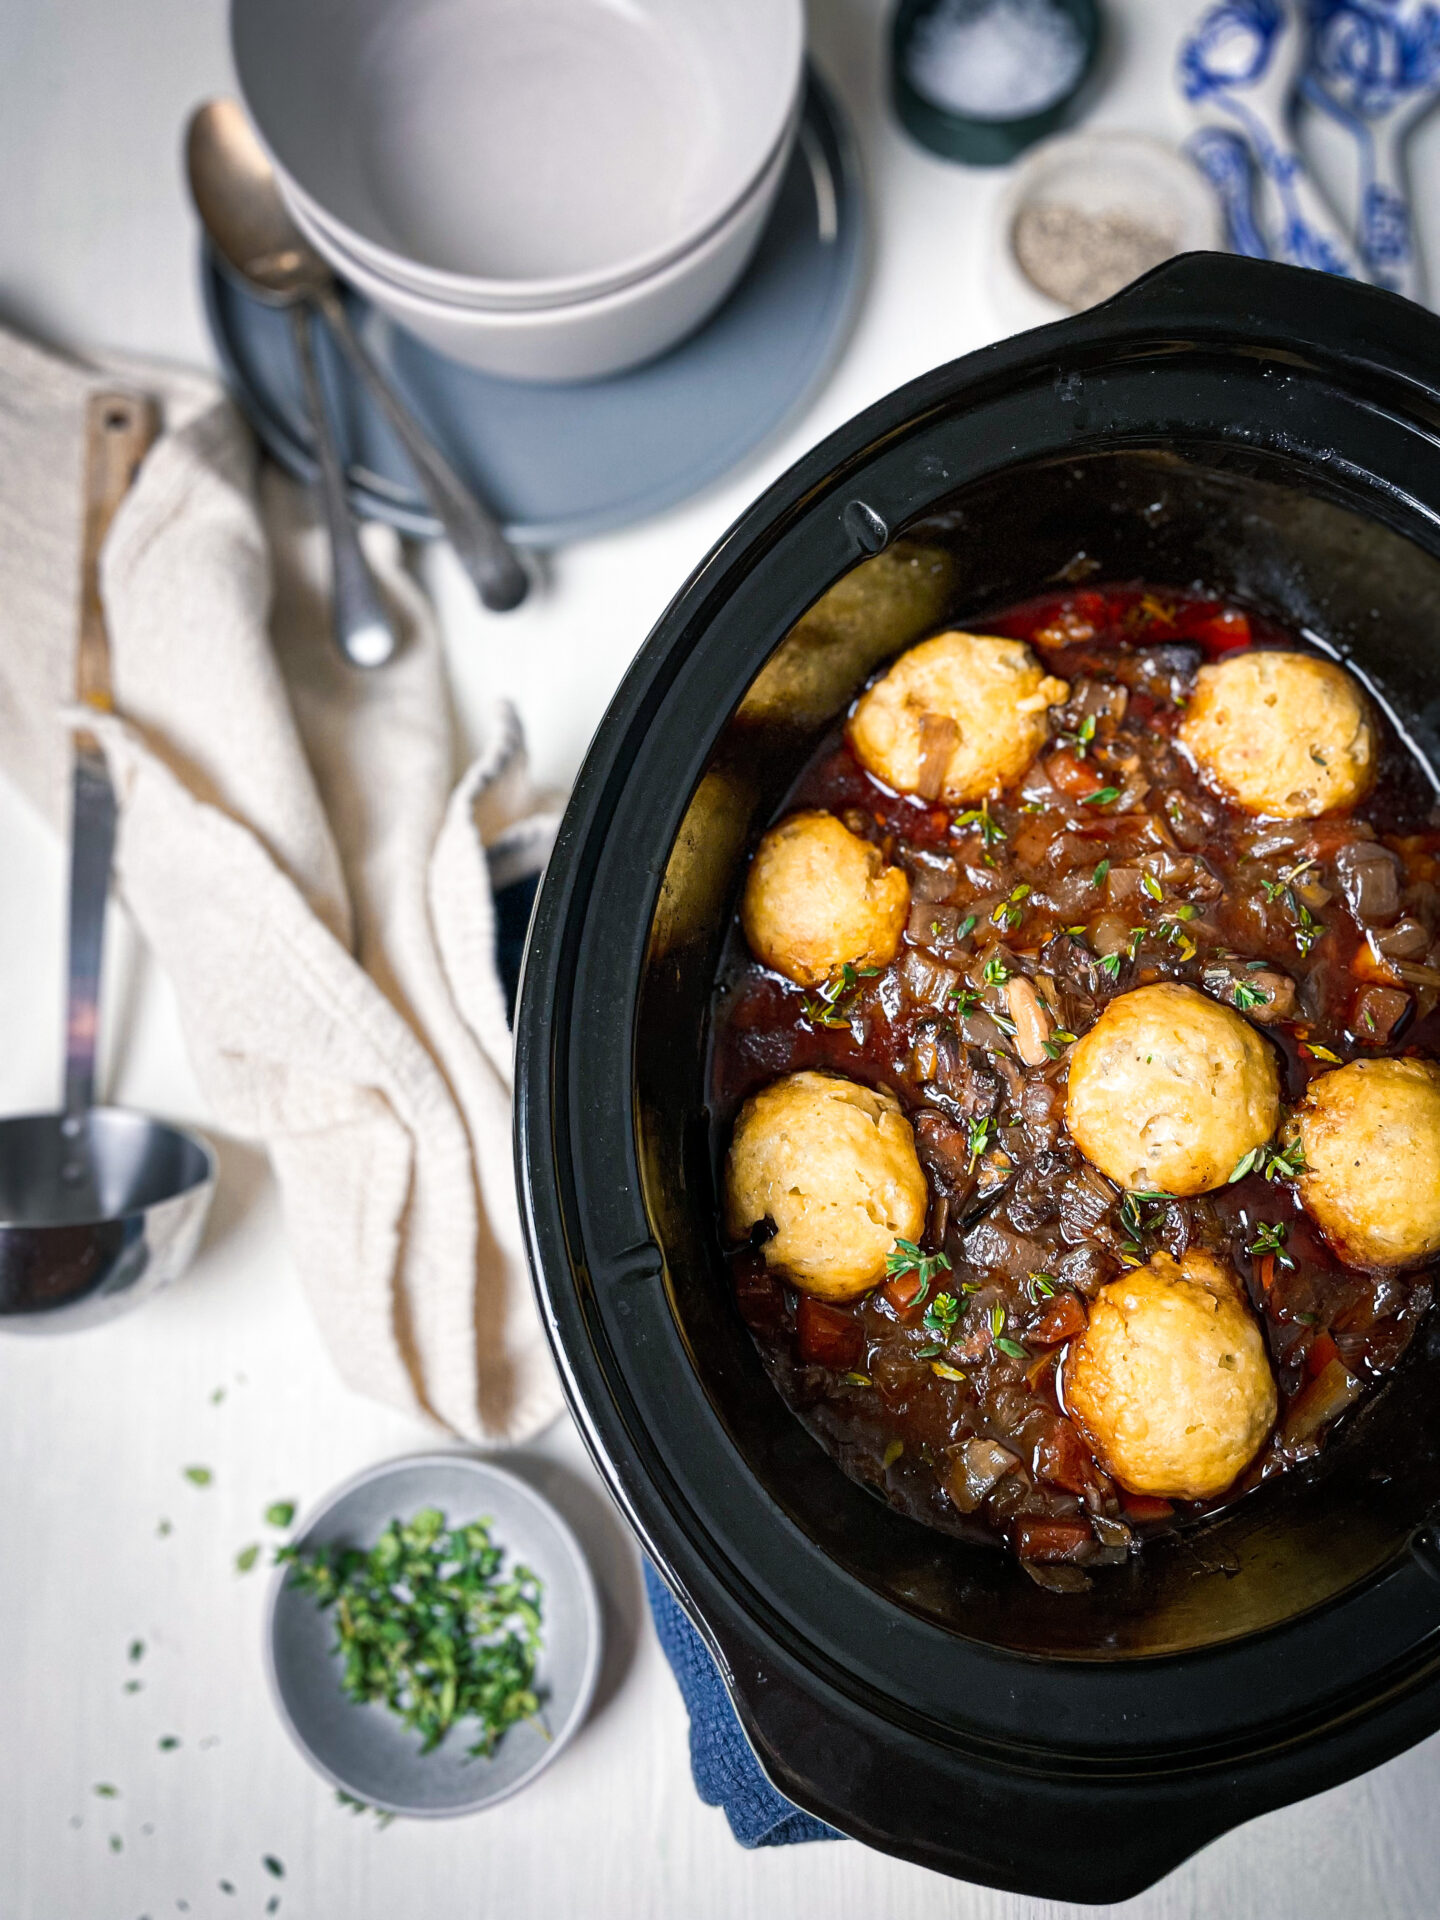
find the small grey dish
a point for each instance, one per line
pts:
(363, 1750)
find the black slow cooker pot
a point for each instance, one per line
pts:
(1272, 434)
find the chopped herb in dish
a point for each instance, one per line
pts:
(429, 1622)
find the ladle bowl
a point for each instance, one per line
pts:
(77, 1251)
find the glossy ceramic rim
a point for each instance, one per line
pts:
(350, 253)
(550, 289)
(559, 315)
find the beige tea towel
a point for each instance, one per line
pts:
(296, 848)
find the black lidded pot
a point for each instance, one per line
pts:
(1273, 434)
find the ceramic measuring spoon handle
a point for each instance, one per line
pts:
(119, 428)
(1236, 67)
(1387, 231)
(364, 630)
(499, 576)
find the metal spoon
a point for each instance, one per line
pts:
(98, 1207)
(235, 190)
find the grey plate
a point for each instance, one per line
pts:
(363, 1749)
(558, 463)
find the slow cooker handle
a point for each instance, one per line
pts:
(1283, 308)
(881, 1784)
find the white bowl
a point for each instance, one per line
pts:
(1092, 174)
(339, 243)
(535, 149)
(582, 339)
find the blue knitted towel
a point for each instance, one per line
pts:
(727, 1774)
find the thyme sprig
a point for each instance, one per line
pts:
(833, 1005)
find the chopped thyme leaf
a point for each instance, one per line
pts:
(167, 1743)
(905, 1257)
(1064, 1036)
(1152, 886)
(978, 1132)
(1245, 996)
(1097, 879)
(136, 1652)
(995, 972)
(1040, 1286)
(932, 1351)
(247, 1556)
(1014, 1349)
(1270, 1240)
(966, 927)
(104, 1791)
(991, 832)
(430, 1622)
(279, 1513)
(892, 1453)
(1322, 1053)
(198, 1476)
(272, 1866)
(964, 999)
(941, 1315)
(946, 1373)
(1101, 797)
(856, 1379)
(1111, 965)
(997, 1320)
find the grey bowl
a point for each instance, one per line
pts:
(363, 1750)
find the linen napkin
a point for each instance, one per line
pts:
(310, 866)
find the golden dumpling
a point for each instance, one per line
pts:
(1169, 1090)
(956, 718)
(1170, 1381)
(818, 896)
(1371, 1136)
(833, 1165)
(1284, 734)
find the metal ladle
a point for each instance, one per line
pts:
(98, 1207)
(238, 198)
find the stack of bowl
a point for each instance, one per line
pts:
(544, 189)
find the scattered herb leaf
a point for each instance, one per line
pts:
(247, 1556)
(1013, 1348)
(1101, 797)
(1097, 879)
(946, 1373)
(199, 1476)
(279, 1513)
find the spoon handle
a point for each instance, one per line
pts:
(119, 428)
(364, 630)
(1387, 232)
(486, 555)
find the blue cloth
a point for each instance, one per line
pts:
(727, 1774)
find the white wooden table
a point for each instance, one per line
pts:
(104, 1543)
